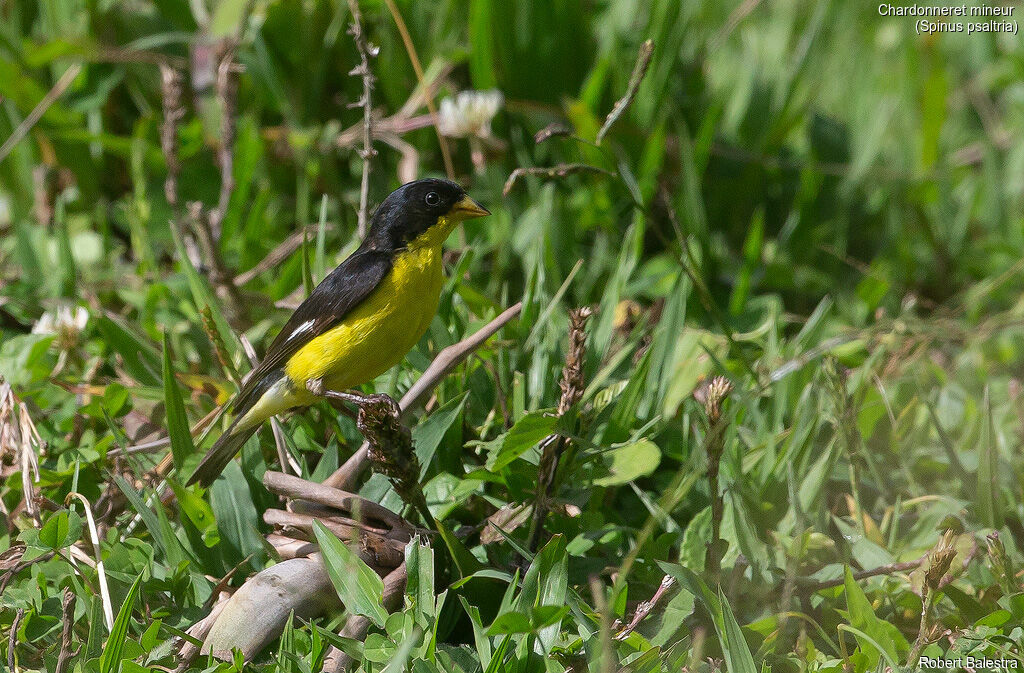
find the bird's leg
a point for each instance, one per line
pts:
(316, 387)
(376, 404)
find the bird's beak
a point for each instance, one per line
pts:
(467, 209)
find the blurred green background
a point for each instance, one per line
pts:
(804, 197)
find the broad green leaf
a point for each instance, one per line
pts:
(629, 462)
(198, 512)
(882, 634)
(427, 436)
(178, 429)
(419, 585)
(61, 529)
(526, 433)
(360, 588)
(510, 622)
(110, 660)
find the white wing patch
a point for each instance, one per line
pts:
(304, 327)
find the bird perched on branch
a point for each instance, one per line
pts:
(361, 320)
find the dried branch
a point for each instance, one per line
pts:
(21, 565)
(366, 52)
(445, 361)
(68, 619)
(40, 109)
(572, 385)
(189, 650)
(289, 547)
(361, 508)
(280, 253)
(810, 585)
(643, 61)
(549, 172)
(173, 112)
(227, 94)
(645, 608)
(552, 130)
(13, 639)
(373, 548)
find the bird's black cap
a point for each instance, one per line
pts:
(416, 206)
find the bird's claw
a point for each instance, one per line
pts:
(316, 387)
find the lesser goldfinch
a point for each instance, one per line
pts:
(361, 320)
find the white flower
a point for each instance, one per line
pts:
(469, 113)
(66, 323)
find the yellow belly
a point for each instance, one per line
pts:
(380, 331)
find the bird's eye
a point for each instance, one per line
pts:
(433, 198)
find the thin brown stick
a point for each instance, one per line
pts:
(549, 172)
(366, 52)
(643, 61)
(451, 356)
(40, 109)
(68, 618)
(227, 90)
(188, 650)
(281, 252)
(21, 565)
(810, 585)
(445, 361)
(288, 547)
(646, 607)
(373, 548)
(173, 112)
(410, 48)
(296, 488)
(13, 639)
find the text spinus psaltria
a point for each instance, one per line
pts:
(361, 320)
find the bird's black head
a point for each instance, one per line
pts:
(416, 208)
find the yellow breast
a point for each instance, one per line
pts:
(383, 328)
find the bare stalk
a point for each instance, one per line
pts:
(643, 61)
(367, 51)
(68, 619)
(572, 385)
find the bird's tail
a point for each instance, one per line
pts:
(221, 453)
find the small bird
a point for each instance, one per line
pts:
(360, 320)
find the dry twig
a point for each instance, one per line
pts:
(643, 61)
(13, 639)
(549, 172)
(645, 608)
(68, 619)
(366, 52)
(40, 109)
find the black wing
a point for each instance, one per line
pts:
(334, 298)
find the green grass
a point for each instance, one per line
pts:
(808, 200)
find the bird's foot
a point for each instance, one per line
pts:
(316, 387)
(376, 400)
